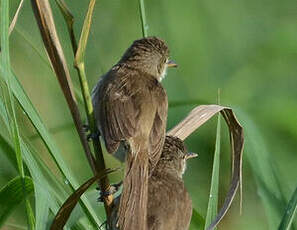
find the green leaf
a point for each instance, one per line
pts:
(52, 147)
(144, 25)
(9, 102)
(11, 195)
(48, 191)
(197, 221)
(63, 215)
(212, 208)
(262, 165)
(289, 213)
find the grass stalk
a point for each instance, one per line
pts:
(212, 208)
(15, 17)
(144, 25)
(9, 104)
(289, 213)
(80, 66)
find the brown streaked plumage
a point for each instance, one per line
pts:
(130, 107)
(169, 204)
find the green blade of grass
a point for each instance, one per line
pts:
(42, 195)
(48, 190)
(9, 104)
(11, 195)
(144, 26)
(289, 213)
(50, 144)
(80, 66)
(261, 162)
(197, 221)
(9, 152)
(212, 208)
(63, 215)
(15, 17)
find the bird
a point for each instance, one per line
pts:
(169, 204)
(130, 109)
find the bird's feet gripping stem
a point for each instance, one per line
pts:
(91, 135)
(112, 190)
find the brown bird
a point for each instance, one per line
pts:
(169, 204)
(130, 107)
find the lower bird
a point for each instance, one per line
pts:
(169, 204)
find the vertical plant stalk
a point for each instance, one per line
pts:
(9, 104)
(48, 31)
(68, 17)
(44, 18)
(15, 18)
(212, 208)
(289, 213)
(144, 26)
(80, 66)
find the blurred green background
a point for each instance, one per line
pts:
(246, 48)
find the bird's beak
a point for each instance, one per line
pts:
(171, 63)
(191, 155)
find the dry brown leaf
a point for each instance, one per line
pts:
(44, 17)
(197, 117)
(15, 17)
(66, 209)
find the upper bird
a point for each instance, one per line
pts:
(130, 107)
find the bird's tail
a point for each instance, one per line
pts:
(133, 204)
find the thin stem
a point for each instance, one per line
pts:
(69, 20)
(9, 103)
(15, 18)
(79, 52)
(144, 26)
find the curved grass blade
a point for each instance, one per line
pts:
(50, 144)
(43, 197)
(214, 188)
(197, 221)
(289, 213)
(144, 26)
(80, 66)
(15, 17)
(197, 117)
(9, 103)
(44, 18)
(262, 165)
(9, 152)
(68, 206)
(48, 190)
(11, 195)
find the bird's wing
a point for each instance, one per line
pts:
(117, 111)
(157, 135)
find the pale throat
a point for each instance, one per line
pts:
(163, 74)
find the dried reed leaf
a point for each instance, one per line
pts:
(64, 212)
(44, 17)
(197, 117)
(15, 17)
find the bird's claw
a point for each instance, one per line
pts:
(112, 190)
(86, 128)
(93, 136)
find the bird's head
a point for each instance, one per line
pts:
(149, 55)
(175, 154)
